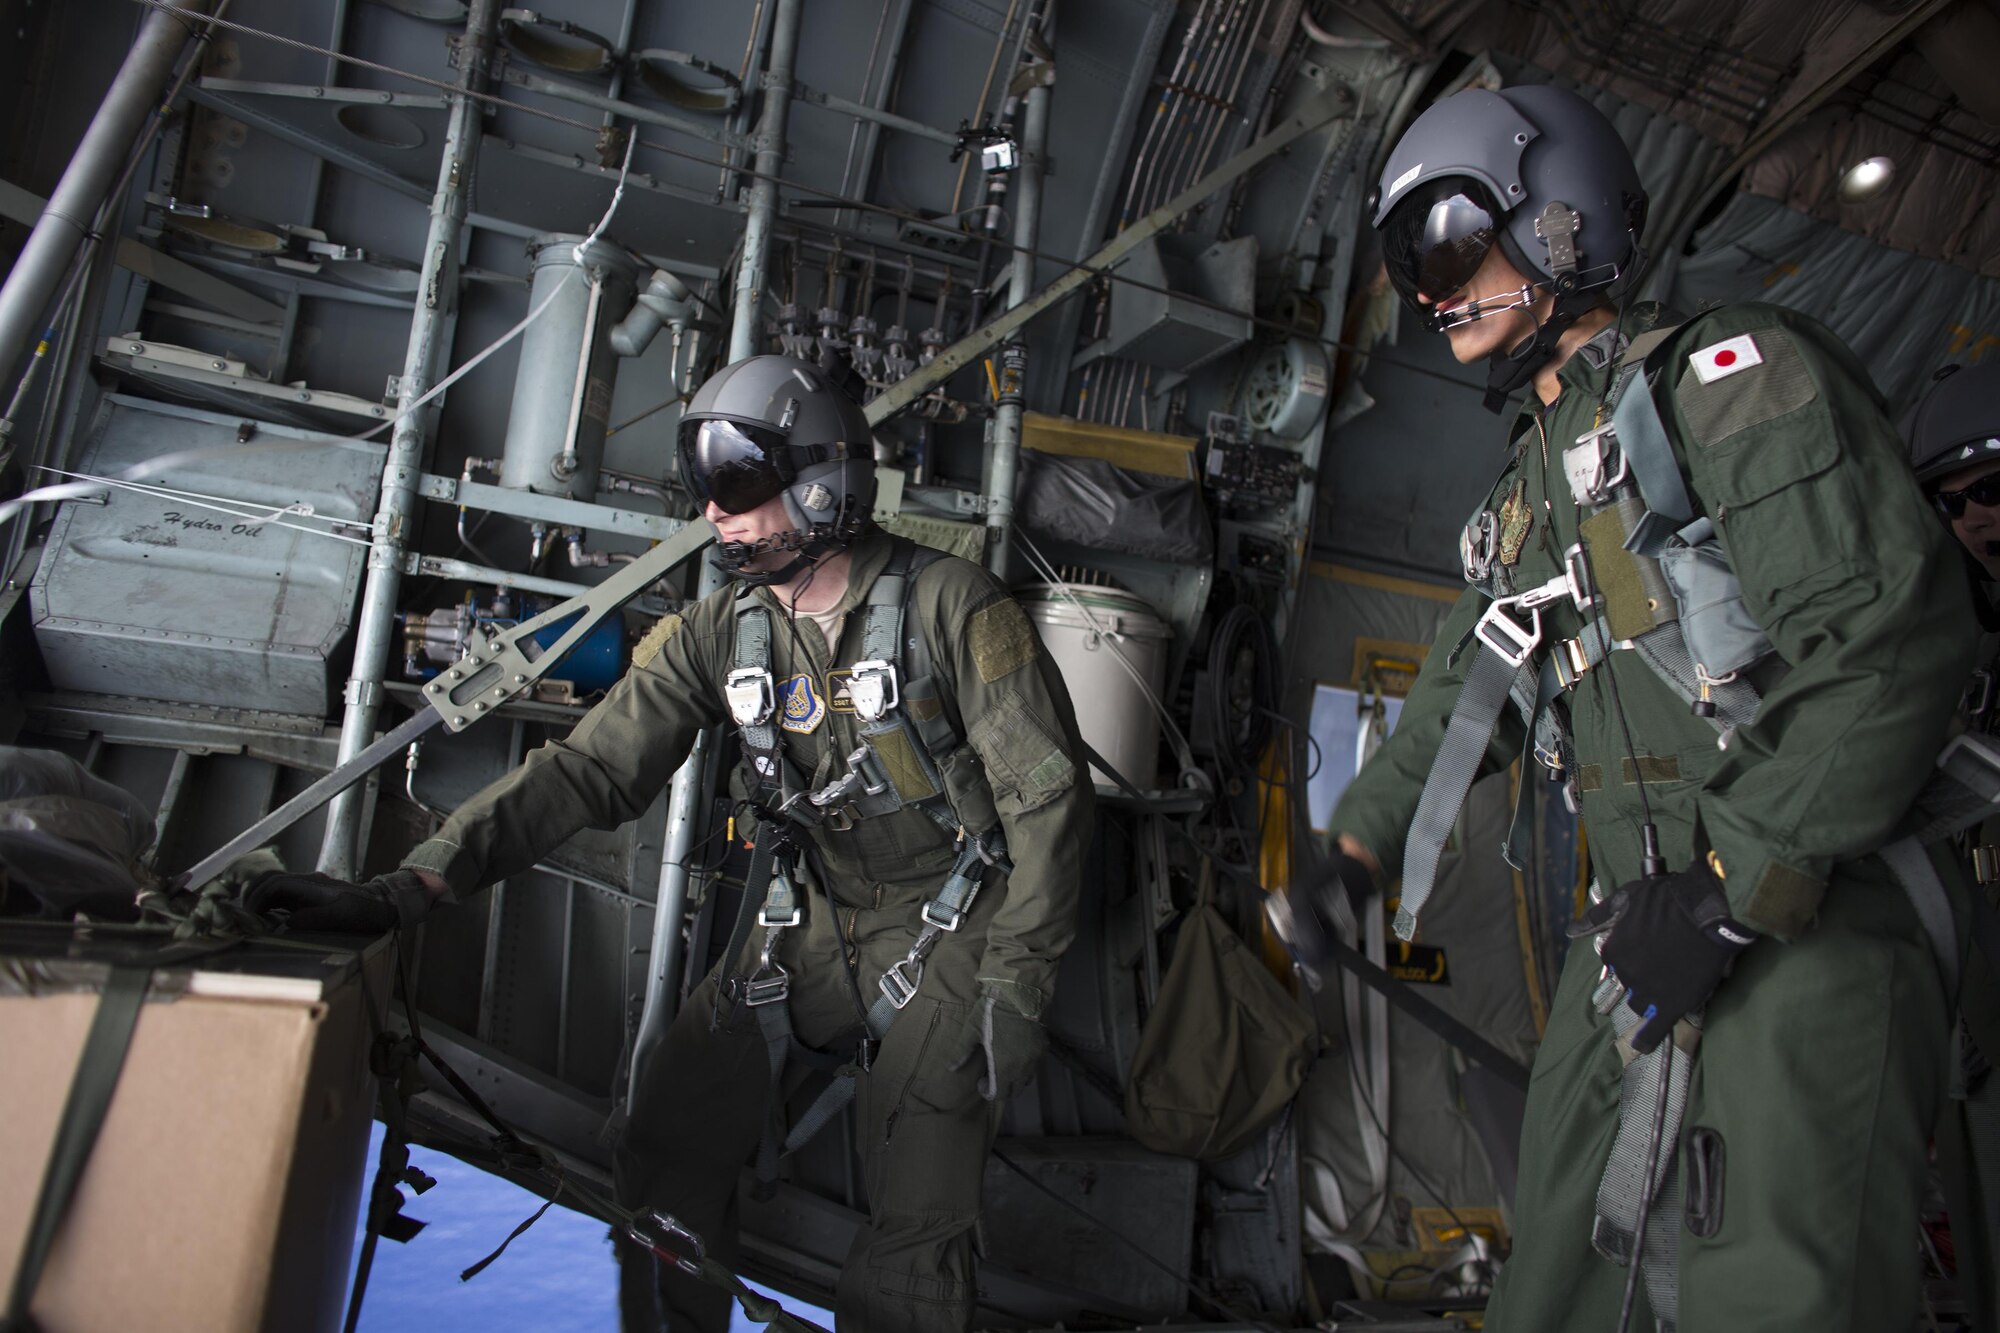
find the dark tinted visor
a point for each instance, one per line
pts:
(737, 466)
(1436, 237)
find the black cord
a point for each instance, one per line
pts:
(1368, 1104)
(1646, 1186)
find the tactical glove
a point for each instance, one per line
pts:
(1004, 1029)
(1670, 940)
(321, 902)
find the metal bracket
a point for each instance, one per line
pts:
(502, 668)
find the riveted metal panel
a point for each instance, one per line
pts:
(161, 597)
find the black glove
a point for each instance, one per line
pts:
(321, 902)
(1005, 1028)
(1303, 915)
(1670, 940)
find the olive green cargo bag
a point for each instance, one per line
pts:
(1224, 1050)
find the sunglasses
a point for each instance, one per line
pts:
(1985, 491)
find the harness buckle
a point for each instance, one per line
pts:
(1986, 863)
(937, 914)
(765, 917)
(1577, 573)
(872, 686)
(1478, 546)
(898, 987)
(1586, 465)
(760, 990)
(1572, 662)
(751, 694)
(1509, 639)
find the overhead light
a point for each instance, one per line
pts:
(1866, 179)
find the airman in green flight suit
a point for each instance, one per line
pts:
(1737, 748)
(1954, 438)
(987, 790)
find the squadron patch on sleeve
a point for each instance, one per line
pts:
(1002, 640)
(1517, 516)
(800, 706)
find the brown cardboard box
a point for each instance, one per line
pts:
(223, 1190)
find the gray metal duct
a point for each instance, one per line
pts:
(72, 208)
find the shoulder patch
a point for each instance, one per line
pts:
(1002, 640)
(801, 708)
(656, 638)
(1745, 392)
(1731, 356)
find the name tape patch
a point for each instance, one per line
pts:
(1726, 358)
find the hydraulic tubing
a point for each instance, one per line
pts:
(397, 512)
(1005, 464)
(771, 121)
(685, 799)
(99, 156)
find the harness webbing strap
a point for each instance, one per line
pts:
(1642, 437)
(1623, 1188)
(1481, 698)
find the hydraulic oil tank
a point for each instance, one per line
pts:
(562, 390)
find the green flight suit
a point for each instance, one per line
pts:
(1968, 1128)
(702, 1094)
(1823, 1053)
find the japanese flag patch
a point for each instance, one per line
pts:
(1723, 359)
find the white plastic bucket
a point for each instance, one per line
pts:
(1106, 642)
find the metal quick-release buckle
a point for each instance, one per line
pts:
(752, 696)
(1479, 545)
(1513, 642)
(901, 989)
(872, 687)
(951, 919)
(765, 917)
(1585, 464)
(760, 991)
(1572, 662)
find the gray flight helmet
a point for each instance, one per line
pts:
(1527, 147)
(1957, 423)
(812, 433)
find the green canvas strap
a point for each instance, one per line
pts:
(1624, 1190)
(1489, 683)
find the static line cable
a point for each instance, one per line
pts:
(616, 195)
(847, 201)
(258, 517)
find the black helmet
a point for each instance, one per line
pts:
(771, 427)
(1537, 171)
(1957, 422)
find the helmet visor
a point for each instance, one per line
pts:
(1436, 237)
(738, 467)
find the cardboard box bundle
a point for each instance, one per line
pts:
(223, 1191)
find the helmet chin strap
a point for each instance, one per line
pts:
(1511, 371)
(821, 539)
